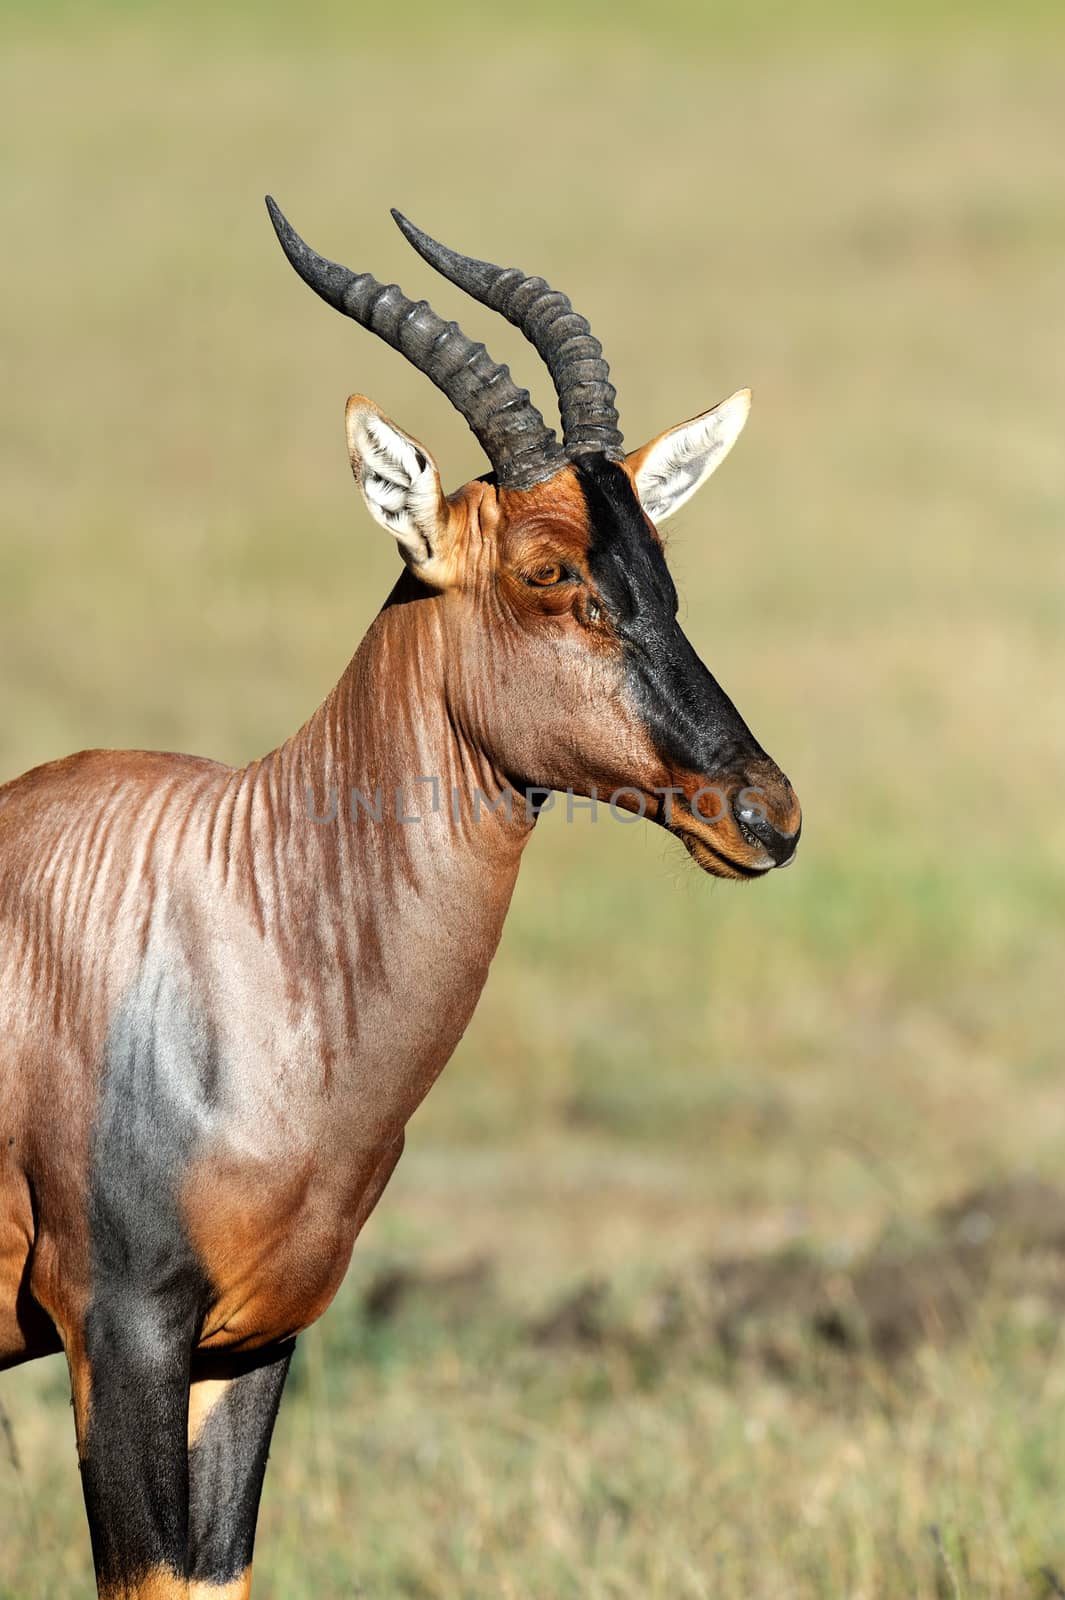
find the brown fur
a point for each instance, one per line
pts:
(340, 962)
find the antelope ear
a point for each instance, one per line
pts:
(668, 471)
(401, 487)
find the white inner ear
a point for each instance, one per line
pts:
(680, 461)
(398, 479)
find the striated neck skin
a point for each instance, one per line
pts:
(384, 927)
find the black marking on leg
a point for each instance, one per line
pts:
(227, 1463)
(134, 1466)
(149, 1290)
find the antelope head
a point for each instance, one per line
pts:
(566, 667)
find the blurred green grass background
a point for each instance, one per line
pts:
(859, 212)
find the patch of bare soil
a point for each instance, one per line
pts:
(1007, 1238)
(1002, 1244)
(445, 1292)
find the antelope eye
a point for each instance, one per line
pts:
(547, 576)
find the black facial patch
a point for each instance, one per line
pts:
(149, 1291)
(690, 718)
(626, 563)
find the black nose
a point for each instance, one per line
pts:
(757, 829)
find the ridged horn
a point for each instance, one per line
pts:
(522, 448)
(572, 353)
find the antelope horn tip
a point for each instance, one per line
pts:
(414, 235)
(288, 238)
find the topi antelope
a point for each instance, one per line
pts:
(223, 993)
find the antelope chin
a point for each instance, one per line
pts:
(716, 862)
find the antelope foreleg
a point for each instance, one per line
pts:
(130, 1382)
(232, 1407)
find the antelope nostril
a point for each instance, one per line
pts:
(757, 829)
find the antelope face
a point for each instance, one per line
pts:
(665, 727)
(566, 666)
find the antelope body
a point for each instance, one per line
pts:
(220, 1004)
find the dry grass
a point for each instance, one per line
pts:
(868, 226)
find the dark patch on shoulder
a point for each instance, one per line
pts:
(160, 1086)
